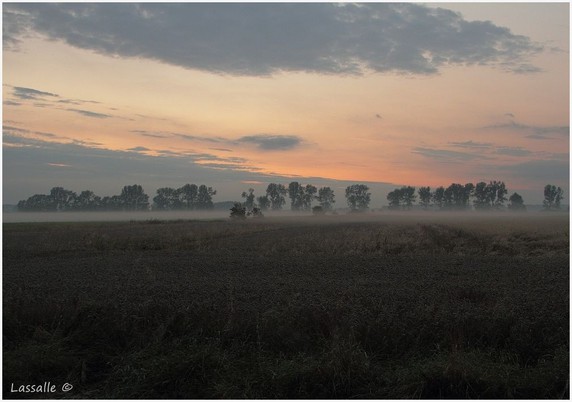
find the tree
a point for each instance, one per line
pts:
(249, 203)
(63, 199)
(238, 211)
(500, 191)
(358, 197)
(88, 201)
(255, 213)
(468, 191)
(489, 196)
(457, 196)
(481, 196)
(263, 202)
(424, 197)
(113, 203)
(205, 197)
(516, 203)
(439, 197)
(552, 197)
(37, 203)
(188, 196)
(167, 199)
(326, 198)
(308, 196)
(296, 194)
(275, 193)
(394, 198)
(133, 198)
(407, 195)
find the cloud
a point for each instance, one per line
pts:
(21, 132)
(471, 144)
(30, 93)
(11, 103)
(445, 155)
(87, 113)
(138, 149)
(200, 138)
(272, 142)
(150, 134)
(262, 39)
(539, 137)
(537, 132)
(513, 151)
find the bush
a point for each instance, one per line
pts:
(238, 211)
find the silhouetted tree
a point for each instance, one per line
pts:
(113, 203)
(205, 197)
(37, 203)
(500, 192)
(88, 201)
(425, 197)
(133, 198)
(249, 203)
(326, 198)
(439, 197)
(552, 197)
(256, 213)
(407, 195)
(189, 195)
(167, 199)
(63, 199)
(296, 194)
(358, 197)
(394, 198)
(489, 196)
(263, 202)
(516, 203)
(309, 196)
(238, 211)
(457, 196)
(276, 193)
(481, 196)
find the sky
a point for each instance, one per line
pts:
(237, 95)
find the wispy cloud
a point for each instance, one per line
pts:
(271, 142)
(263, 39)
(445, 155)
(535, 132)
(30, 93)
(471, 144)
(88, 113)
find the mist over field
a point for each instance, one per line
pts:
(391, 216)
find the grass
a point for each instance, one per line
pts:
(354, 307)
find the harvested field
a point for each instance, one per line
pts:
(374, 306)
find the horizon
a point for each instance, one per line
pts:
(100, 95)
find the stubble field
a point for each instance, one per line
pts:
(374, 306)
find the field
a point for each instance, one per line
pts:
(385, 306)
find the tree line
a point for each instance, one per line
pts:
(482, 197)
(131, 198)
(302, 197)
